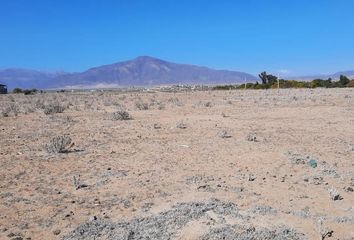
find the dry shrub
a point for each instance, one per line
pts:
(52, 108)
(6, 110)
(141, 105)
(60, 144)
(121, 115)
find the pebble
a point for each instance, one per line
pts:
(17, 238)
(10, 235)
(251, 178)
(93, 218)
(335, 195)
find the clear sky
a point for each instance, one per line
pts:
(296, 37)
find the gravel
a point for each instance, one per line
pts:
(237, 232)
(168, 224)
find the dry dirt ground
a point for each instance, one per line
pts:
(264, 164)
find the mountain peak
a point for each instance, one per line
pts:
(147, 59)
(140, 71)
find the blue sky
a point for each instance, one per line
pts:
(293, 37)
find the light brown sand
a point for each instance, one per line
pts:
(128, 164)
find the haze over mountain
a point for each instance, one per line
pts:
(335, 76)
(141, 71)
(27, 78)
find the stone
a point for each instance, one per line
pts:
(335, 196)
(312, 163)
(93, 218)
(251, 178)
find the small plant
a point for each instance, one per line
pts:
(6, 110)
(53, 108)
(161, 106)
(252, 138)
(121, 115)
(175, 101)
(60, 144)
(17, 90)
(181, 125)
(208, 104)
(224, 134)
(141, 105)
(77, 183)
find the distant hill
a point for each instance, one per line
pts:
(26, 78)
(335, 76)
(141, 71)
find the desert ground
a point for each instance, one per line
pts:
(242, 164)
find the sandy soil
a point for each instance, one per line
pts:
(248, 148)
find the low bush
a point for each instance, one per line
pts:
(59, 144)
(121, 115)
(53, 108)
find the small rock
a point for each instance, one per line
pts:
(17, 238)
(93, 218)
(10, 235)
(224, 134)
(252, 138)
(312, 163)
(317, 180)
(251, 178)
(328, 233)
(181, 125)
(157, 126)
(56, 232)
(69, 214)
(335, 195)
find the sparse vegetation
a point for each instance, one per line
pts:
(270, 82)
(24, 91)
(7, 109)
(121, 115)
(60, 144)
(131, 167)
(141, 105)
(52, 108)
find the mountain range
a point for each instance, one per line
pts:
(335, 76)
(141, 71)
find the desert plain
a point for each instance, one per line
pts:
(241, 164)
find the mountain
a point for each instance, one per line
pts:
(335, 76)
(26, 78)
(141, 71)
(149, 71)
